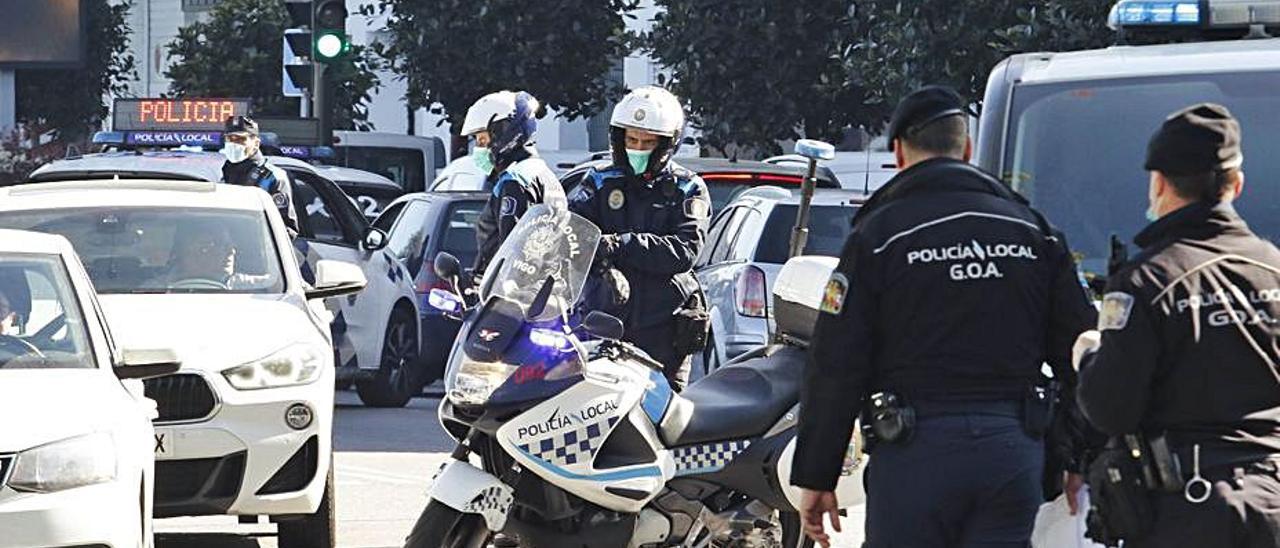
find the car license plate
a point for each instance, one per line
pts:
(164, 442)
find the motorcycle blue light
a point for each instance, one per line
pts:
(549, 338)
(440, 299)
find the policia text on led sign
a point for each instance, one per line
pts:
(176, 114)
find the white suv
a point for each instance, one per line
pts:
(245, 427)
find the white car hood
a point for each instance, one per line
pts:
(210, 332)
(39, 406)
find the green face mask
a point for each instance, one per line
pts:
(483, 158)
(639, 160)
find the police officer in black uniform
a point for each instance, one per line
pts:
(950, 294)
(1189, 339)
(654, 215)
(246, 166)
(502, 126)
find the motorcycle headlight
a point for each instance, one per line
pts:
(294, 365)
(472, 382)
(67, 464)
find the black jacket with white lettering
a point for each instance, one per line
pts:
(950, 287)
(1190, 339)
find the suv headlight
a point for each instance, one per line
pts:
(294, 365)
(66, 464)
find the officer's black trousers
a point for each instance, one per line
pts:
(962, 481)
(1244, 512)
(658, 342)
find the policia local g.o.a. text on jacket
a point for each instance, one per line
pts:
(1189, 350)
(951, 292)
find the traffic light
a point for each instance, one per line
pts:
(296, 60)
(329, 27)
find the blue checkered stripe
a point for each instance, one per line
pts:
(711, 457)
(572, 447)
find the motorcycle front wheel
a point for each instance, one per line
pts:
(793, 531)
(440, 526)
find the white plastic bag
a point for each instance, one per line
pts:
(1057, 528)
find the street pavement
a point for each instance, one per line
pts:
(384, 460)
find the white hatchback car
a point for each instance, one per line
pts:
(79, 469)
(245, 427)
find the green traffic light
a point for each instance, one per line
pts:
(331, 45)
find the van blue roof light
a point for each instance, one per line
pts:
(1134, 13)
(108, 138)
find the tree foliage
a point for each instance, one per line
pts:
(237, 53)
(754, 72)
(451, 52)
(900, 45)
(71, 100)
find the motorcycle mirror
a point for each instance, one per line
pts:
(602, 325)
(447, 266)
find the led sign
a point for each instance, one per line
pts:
(176, 114)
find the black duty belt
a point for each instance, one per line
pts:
(1000, 408)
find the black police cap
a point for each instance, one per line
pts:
(924, 106)
(1201, 138)
(242, 124)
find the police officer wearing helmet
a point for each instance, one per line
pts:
(653, 214)
(950, 294)
(501, 126)
(246, 166)
(1187, 346)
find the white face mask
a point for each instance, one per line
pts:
(235, 152)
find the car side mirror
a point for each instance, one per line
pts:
(138, 363)
(374, 239)
(602, 325)
(447, 266)
(336, 278)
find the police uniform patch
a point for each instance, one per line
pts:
(833, 295)
(697, 208)
(616, 199)
(508, 206)
(280, 199)
(1116, 307)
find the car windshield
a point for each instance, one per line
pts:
(41, 324)
(1076, 151)
(165, 250)
(828, 229)
(548, 244)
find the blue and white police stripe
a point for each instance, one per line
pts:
(707, 458)
(572, 447)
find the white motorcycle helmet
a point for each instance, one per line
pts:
(650, 109)
(510, 117)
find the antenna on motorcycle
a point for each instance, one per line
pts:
(814, 151)
(539, 304)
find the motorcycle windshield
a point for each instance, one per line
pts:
(548, 243)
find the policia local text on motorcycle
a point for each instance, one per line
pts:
(950, 294)
(1184, 367)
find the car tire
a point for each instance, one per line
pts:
(318, 530)
(397, 378)
(710, 358)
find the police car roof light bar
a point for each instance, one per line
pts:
(1205, 14)
(1149, 13)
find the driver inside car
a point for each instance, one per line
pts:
(8, 316)
(204, 257)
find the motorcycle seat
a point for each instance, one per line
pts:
(737, 401)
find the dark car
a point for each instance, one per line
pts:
(421, 225)
(725, 178)
(371, 192)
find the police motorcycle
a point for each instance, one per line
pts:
(569, 437)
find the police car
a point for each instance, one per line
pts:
(376, 331)
(245, 427)
(1069, 130)
(76, 463)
